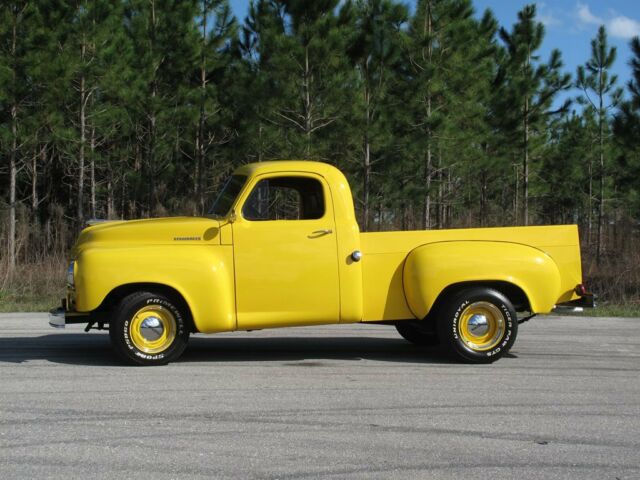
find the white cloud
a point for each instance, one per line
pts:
(550, 21)
(623, 27)
(617, 25)
(585, 15)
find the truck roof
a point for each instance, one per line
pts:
(342, 198)
(288, 165)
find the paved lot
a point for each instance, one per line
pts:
(330, 402)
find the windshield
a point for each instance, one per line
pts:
(228, 195)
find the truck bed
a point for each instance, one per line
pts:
(384, 254)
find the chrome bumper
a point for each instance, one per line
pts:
(586, 300)
(57, 317)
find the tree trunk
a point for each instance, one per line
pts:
(151, 152)
(366, 164)
(525, 166)
(92, 146)
(589, 201)
(366, 186)
(83, 139)
(307, 101)
(13, 170)
(441, 186)
(200, 147)
(109, 199)
(448, 212)
(34, 179)
(260, 146)
(601, 114)
(483, 197)
(426, 207)
(516, 194)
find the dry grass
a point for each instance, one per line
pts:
(38, 287)
(34, 287)
(615, 278)
(39, 280)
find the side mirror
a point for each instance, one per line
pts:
(232, 215)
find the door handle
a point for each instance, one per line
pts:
(320, 233)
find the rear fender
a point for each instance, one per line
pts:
(431, 268)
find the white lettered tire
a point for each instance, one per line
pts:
(477, 325)
(148, 328)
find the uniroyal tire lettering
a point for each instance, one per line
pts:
(450, 323)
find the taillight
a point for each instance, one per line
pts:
(581, 289)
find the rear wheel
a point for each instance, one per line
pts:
(148, 329)
(416, 333)
(478, 325)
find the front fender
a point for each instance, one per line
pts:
(203, 275)
(430, 268)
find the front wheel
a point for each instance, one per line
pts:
(478, 325)
(148, 329)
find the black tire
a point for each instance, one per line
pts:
(169, 317)
(456, 323)
(414, 332)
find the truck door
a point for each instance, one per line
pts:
(285, 253)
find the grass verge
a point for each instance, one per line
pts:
(34, 287)
(608, 310)
(39, 303)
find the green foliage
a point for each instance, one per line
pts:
(440, 117)
(627, 134)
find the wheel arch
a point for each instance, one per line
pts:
(122, 291)
(514, 293)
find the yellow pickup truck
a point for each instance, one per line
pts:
(281, 247)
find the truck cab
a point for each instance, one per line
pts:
(293, 237)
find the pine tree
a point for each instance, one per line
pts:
(465, 161)
(164, 39)
(14, 93)
(256, 92)
(216, 27)
(529, 85)
(563, 191)
(597, 80)
(626, 127)
(446, 83)
(375, 51)
(308, 67)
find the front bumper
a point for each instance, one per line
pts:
(57, 318)
(60, 317)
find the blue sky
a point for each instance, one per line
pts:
(570, 26)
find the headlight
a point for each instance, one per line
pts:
(70, 271)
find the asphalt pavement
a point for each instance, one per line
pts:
(343, 402)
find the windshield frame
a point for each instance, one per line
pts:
(232, 189)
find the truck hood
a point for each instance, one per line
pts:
(155, 231)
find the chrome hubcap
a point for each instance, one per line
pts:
(151, 329)
(478, 325)
(482, 326)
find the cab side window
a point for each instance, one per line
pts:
(285, 198)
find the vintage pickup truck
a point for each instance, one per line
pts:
(281, 247)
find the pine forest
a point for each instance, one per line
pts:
(439, 116)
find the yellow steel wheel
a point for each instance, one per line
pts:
(152, 329)
(481, 326)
